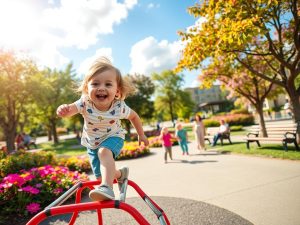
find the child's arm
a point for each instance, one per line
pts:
(67, 110)
(137, 123)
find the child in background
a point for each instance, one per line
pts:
(102, 106)
(181, 135)
(166, 137)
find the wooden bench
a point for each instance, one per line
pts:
(211, 131)
(284, 133)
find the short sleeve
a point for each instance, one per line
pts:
(80, 104)
(125, 111)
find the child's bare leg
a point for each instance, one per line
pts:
(108, 167)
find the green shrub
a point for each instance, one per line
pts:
(75, 163)
(211, 123)
(236, 128)
(25, 160)
(236, 119)
(239, 111)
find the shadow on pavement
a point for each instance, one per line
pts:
(178, 210)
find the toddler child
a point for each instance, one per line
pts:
(166, 137)
(102, 105)
(181, 135)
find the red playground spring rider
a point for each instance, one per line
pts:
(56, 207)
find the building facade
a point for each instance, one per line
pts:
(209, 100)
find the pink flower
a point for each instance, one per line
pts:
(31, 190)
(38, 185)
(13, 179)
(27, 176)
(57, 191)
(33, 207)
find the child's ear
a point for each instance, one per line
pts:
(118, 94)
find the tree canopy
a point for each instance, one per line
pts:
(240, 30)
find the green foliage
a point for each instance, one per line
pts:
(231, 119)
(141, 101)
(253, 43)
(267, 150)
(75, 163)
(211, 123)
(236, 128)
(23, 160)
(16, 92)
(171, 101)
(239, 111)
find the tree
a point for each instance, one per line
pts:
(15, 71)
(141, 100)
(239, 29)
(170, 98)
(242, 83)
(53, 88)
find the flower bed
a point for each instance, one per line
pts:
(76, 163)
(133, 150)
(31, 190)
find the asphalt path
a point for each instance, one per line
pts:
(210, 188)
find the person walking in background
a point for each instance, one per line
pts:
(166, 139)
(102, 106)
(182, 137)
(224, 128)
(199, 131)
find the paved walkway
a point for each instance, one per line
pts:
(212, 188)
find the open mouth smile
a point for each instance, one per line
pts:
(101, 96)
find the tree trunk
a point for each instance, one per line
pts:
(171, 113)
(295, 107)
(49, 133)
(53, 130)
(10, 140)
(262, 124)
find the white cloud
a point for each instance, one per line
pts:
(84, 66)
(149, 55)
(152, 5)
(79, 23)
(65, 23)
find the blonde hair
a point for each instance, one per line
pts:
(163, 129)
(178, 125)
(101, 65)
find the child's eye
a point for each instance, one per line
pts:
(108, 84)
(94, 84)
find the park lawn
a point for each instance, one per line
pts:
(266, 150)
(68, 147)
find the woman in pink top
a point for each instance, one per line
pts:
(165, 136)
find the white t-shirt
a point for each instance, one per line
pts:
(99, 125)
(224, 128)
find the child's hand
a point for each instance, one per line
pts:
(144, 139)
(63, 110)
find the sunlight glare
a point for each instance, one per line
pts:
(19, 24)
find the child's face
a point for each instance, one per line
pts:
(103, 88)
(165, 130)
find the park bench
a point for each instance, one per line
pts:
(211, 131)
(284, 133)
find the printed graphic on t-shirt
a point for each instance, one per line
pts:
(99, 125)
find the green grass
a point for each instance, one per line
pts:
(69, 147)
(266, 150)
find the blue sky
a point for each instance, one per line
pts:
(139, 36)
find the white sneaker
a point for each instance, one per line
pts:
(124, 175)
(102, 193)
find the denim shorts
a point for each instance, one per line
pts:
(114, 144)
